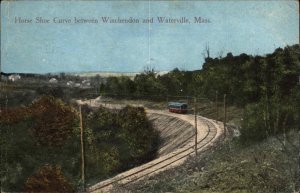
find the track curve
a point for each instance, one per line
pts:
(209, 132)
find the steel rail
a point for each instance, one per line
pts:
(91, 189)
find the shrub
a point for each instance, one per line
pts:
(137, 131)
(48, 179)
(54, 121)
(253, 127)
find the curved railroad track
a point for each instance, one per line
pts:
(178, 156)
(213, 133)
(174, 132)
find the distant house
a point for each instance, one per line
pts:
(85, 83)
(77, 84)
(53, 80)
(14, 77)
(70, 83)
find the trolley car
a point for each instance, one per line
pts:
(178, 107)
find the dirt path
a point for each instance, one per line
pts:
(177, 132)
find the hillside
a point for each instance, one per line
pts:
(261, 167)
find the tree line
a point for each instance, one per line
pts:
(40, 144)
(265, 86)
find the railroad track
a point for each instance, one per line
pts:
(185, 153)
(171, 138)
(161, 163)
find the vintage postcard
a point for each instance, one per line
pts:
(150, 96)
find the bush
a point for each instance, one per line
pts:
(32, 134)
(48, 179)
(48, 131)
(138, 132)
(271, 117)
(54, 121)
(253, 127)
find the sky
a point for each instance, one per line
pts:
(251, 27)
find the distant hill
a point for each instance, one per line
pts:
(105, 74)
(115, 74)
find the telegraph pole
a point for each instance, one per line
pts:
(298, 141)
(217, 114)
(196, 132)
(225, 115)
(82, 147)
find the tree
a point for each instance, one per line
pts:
(276, 82)
(207, 50)
(127, 86)
(54, 121)
(112, 86)
(48, 179)
(102, 124)
(56, 92)
(148, 84)
(137, 131)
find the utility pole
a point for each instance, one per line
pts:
(82, 147)
(217, 111)
(299, 144)
(225, 115)
(196, 132)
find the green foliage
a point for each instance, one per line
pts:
(266, 86)
(119, 140)
(116, 85)
(148, 84)
(177, 82)
(44, 132)
(277, 110)
(102, 119)
(110, 159)
(103, 157)
(54, 122)
(253, 127)
(56, 92)
(137, 131)
(270, 117)
(48, 131)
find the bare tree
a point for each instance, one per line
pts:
(220, 54)
(207, 50)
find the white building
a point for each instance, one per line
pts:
(53, 80)
(86, 83)
(70, 83)
(77, 85)
(14, 77)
